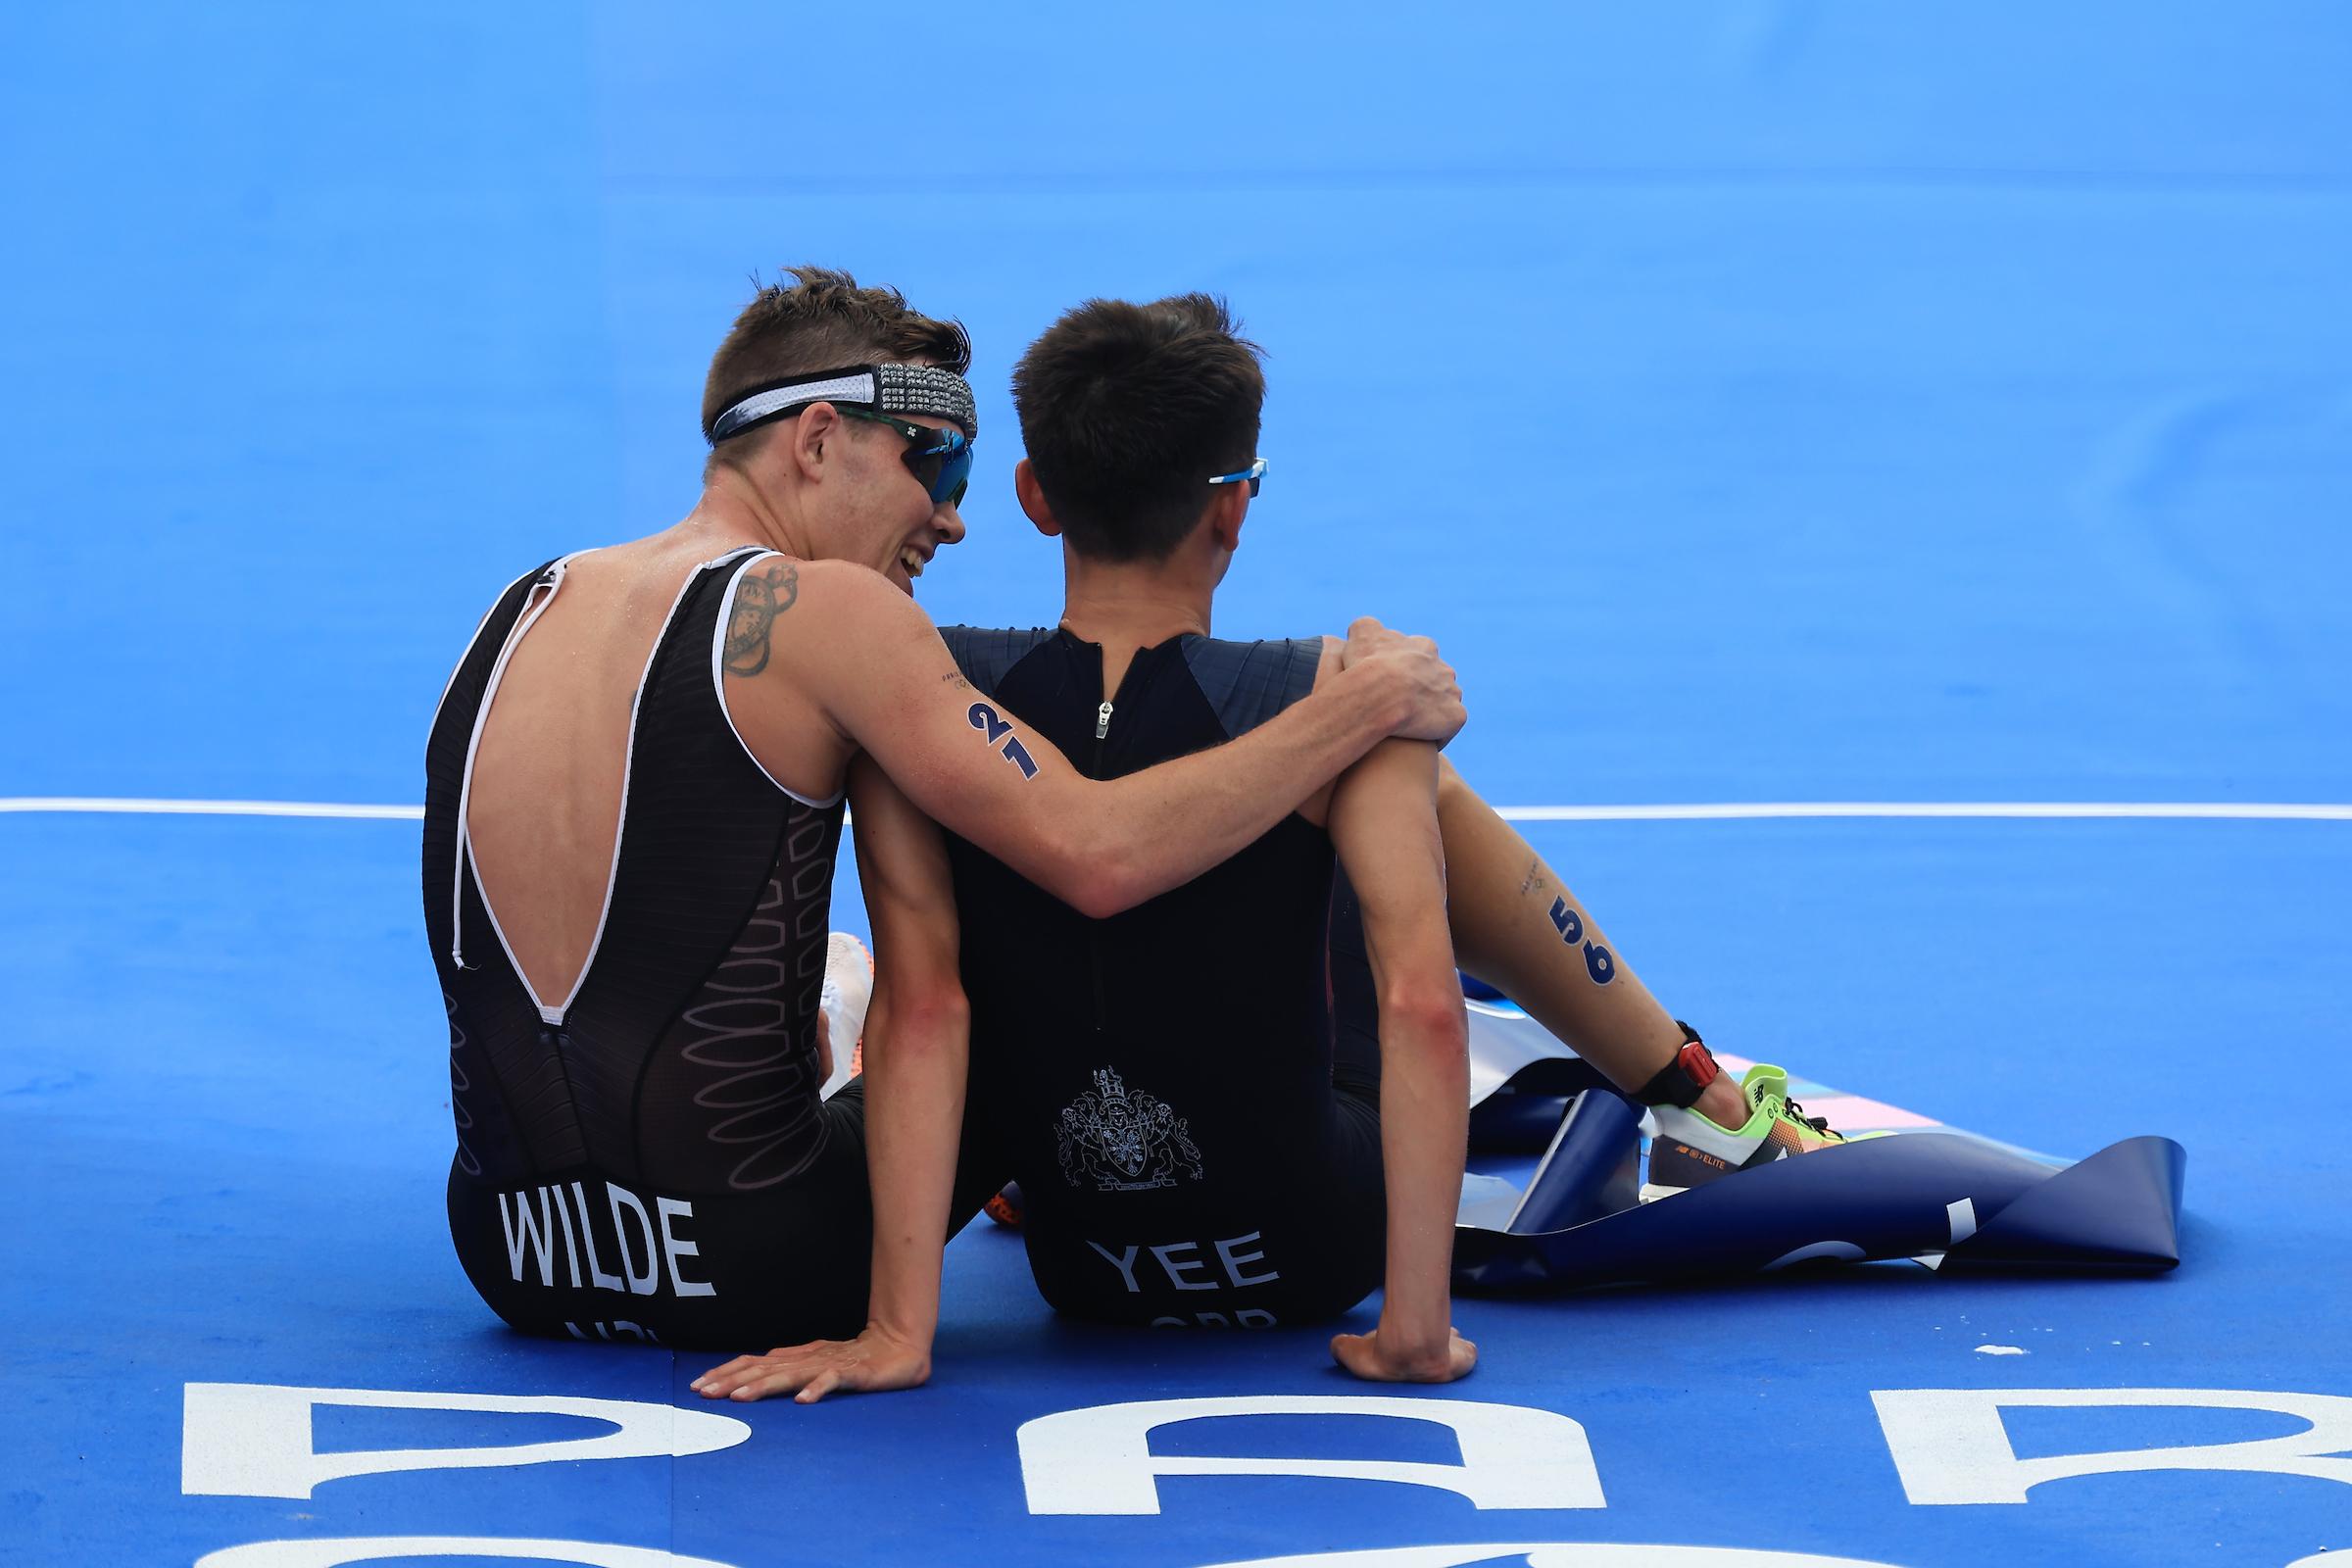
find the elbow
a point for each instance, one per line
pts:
(1098, 879)
(920, 1019)
(1429, 1014)
(1100, 895)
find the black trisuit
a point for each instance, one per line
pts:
(1197, 1142)
(648, 1157)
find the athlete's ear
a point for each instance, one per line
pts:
(1228, 508)
(1033, 499)
(818, 424)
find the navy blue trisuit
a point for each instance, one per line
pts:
(1187, 1093)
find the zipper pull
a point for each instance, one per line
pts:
(1101, 721)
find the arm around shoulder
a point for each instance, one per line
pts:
(877, 669)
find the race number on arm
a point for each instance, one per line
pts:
(867, 661)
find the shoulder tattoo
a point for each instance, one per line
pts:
(759, 598)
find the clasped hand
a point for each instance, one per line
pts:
(1437, 713)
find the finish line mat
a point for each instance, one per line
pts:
(1952, 1200)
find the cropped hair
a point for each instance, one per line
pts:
(822, 321)
(1127, 410)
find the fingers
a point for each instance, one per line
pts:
(754, 1381)
(810, 1372)
(708, 1384)
(754, 1377)
(1366, 639)
(1359, 1356)
(784, 1380)
(818, 1386)
(1364, 1356)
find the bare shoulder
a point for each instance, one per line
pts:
(779, 596)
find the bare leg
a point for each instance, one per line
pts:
(1517, 927)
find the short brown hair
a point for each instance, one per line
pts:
(822, 321)
(1128, 410)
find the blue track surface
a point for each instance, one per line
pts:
(1761, 401)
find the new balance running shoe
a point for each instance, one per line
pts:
(1687, 1150)
(1005, 1208)
(849, 990)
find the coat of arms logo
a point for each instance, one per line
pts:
(1123, 1140)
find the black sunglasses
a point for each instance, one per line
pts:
(940, 458)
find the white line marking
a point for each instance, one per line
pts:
(71, 803)
(1729, 812)
(1745, 812)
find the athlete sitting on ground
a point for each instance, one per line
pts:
(634, 785)
(1191, 1093)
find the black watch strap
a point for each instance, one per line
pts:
(1682, 1080)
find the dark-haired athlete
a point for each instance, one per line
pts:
(1201, 1109)
(635, 786)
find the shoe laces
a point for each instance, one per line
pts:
(1820, 1124)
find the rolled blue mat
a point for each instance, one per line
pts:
(1593, 1168)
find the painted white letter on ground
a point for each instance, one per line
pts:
(375, 1549)
(1557, 1554)
(1950, 1444)
(253, 1439)
(1099, 1461)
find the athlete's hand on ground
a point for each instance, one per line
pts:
(1377, 1360)
(1436, 696)
(874, 1361)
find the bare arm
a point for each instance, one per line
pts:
(876, 669)
(917, 1035)
(1384, 823)
(917, 1040)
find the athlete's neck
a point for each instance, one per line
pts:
(738, 511)
(1128, 605)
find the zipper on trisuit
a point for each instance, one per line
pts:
(1094, 934)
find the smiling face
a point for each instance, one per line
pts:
(879, 513)
(941, 522)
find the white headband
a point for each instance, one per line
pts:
(891, 388)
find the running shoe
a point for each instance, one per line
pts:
(1006, 1207)
(1687, 1149)
(849, 991)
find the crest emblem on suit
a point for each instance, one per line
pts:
(1123, 1140)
